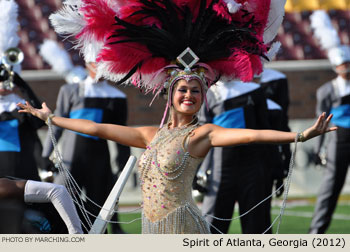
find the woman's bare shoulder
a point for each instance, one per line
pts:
(199, 144)
(205, 129)
(205, 132)
(202, 132)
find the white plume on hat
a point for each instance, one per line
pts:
(56, 57)
(328, 38)
(9, 28)
(9, 25)
(60, 61)
(339, 55)
(324, 30)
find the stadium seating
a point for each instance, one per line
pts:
(297, 38)
(295, 34)
(35, 28)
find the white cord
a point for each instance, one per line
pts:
(73, 188)
(285, 196)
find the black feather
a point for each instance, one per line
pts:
(131, 72)
(208, 35)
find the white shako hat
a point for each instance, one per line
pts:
(339, 55)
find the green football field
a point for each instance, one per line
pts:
(296, 220)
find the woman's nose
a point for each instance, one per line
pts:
(187, 93)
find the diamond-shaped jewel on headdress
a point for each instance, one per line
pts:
(188, 58)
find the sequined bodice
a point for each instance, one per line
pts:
(166, 172)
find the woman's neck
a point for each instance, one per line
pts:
(181, 120)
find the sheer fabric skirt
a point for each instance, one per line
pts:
(185, 219)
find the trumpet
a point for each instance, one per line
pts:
(13, 56)
(10, 58)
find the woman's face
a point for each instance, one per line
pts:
(187, 96)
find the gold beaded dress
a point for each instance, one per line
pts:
(166, 173)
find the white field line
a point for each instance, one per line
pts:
(309, 214)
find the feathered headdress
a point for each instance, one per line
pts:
(60, 61)
(150, 43)
(144, 36)
(328, 38)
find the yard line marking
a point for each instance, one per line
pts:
(309, 214)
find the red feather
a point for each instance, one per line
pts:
(221, 10)
(126, 12)
(240, 65)
(99, 17)
(123, 57)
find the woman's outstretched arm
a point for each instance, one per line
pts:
(136, 137)
(226, 137)
(210, 135)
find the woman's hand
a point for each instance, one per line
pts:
(320, 127)
(42, 113)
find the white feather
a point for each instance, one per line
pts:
(232, 6)
(77, 3)
(114, 5)
(9, 25)
(56, 57)
(274, 20)
(103, 72)
(67, 21)
(90, 48)
(148, 83)
(273, 50)
(324, 30)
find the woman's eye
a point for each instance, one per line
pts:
(195, 91)
(182, 90)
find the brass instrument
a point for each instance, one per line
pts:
(10, 58)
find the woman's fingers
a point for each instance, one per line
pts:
(332, 129)
(329, 117)
(22, 106)
(40, 113)
(328, 120)
(25, 108)
(326, 123)
(28, 105)
(319, 120)
(320, 127)
(45, 108)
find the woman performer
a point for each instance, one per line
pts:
(179, 47)
(173, 152)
